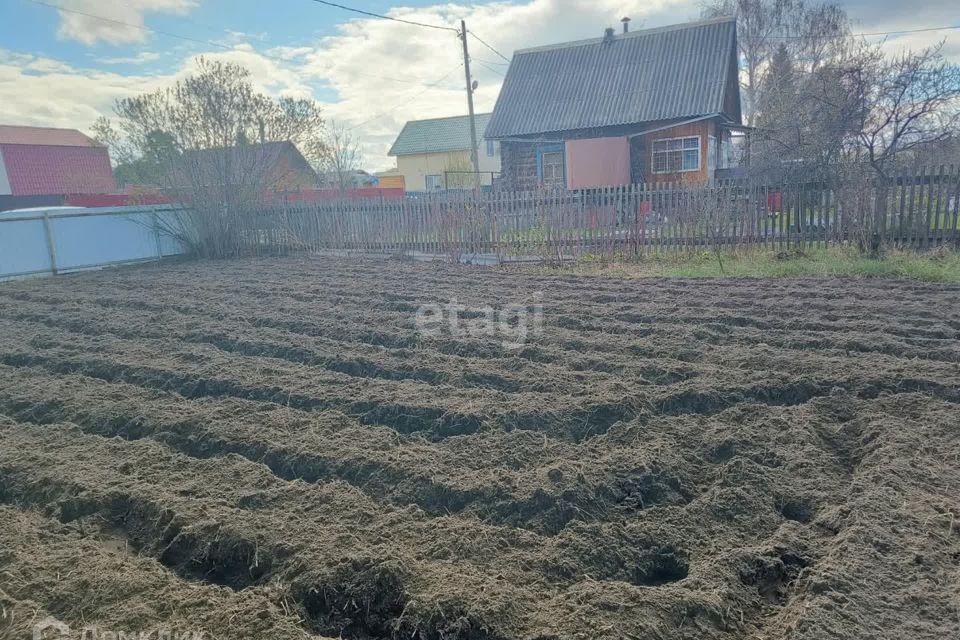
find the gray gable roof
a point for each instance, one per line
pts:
(672, 72)
(437, 135)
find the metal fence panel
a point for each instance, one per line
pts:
(101, 240)
(169, 246)
(23, 248)
(81, 239)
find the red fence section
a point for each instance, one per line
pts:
(308, 196)
(115, 200)
(329, 195)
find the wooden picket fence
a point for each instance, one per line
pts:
(916, 211)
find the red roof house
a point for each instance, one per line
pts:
(39, 161)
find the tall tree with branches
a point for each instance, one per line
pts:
(339, 157)
(903, 103)
(809, 34)
(206, 140)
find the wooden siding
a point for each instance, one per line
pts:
(519, 160)
(702, 130)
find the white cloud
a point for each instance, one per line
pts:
(123, 19)
(886, 15)
(243, 36)
(289, 52)
(379, 69)
(366, 48)
(41, 91)
(898, 44)
(872, 16)
(141, 58)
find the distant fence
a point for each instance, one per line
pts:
(47, 242)
(916, 211)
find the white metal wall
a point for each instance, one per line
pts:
(4, 179)
(47, 242)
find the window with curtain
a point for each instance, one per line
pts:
(434, 183)
(676, 155)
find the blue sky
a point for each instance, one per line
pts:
(32, 28)
(62, 69)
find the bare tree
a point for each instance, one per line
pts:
(206, 140)
(135, 164)
(807, 116)
(121, 150)
(339, 157)
(809, 33)
(819, 95)
(757, 22)
(903, 103)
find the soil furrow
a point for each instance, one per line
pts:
(271, 444)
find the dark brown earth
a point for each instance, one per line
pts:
(270, 449)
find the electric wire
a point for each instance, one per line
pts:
(211, 43)
(383, 17)
(483, 42)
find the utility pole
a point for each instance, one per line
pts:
(474, 154)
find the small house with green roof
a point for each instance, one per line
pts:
(434, 154)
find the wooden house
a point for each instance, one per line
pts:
(657, 105)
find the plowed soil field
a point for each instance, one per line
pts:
(271, 449)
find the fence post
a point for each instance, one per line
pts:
(156, 234)
(51, 248)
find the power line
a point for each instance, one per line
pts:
(481, 41)
(866, 34)
(432, 85)
(905, 31)
(181, 18)
(493, 62)
(210, 43)
(382, 17)
(489, 68)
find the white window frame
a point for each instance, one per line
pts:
(681, 150)
(554, 179)
(439, 182)
(491, 148)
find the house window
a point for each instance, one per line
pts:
(491, 148)
(676, 155)
(434, 183)
(550, 167)
(553, 167)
